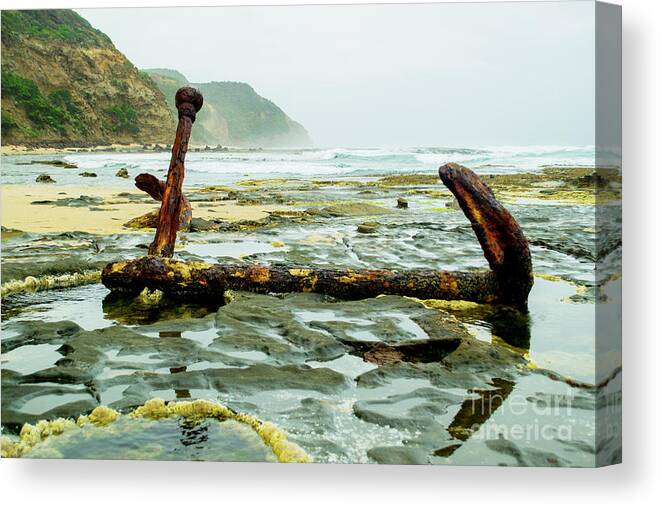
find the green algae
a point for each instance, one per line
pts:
(408, 179)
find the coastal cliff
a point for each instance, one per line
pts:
(234, 114)
(64, 83)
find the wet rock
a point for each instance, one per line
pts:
(150, 221)
(368, 227)
(122, 173)
(592, 180)
(202, 225)
(408, 179)
(146, 221)
(34, 333)
(86, 174)
(421, 351)
(398, 455)
(402, 203)
(44, 178)
(423, 406)
(8, 233)
(55, 163)
(453, 204)
(80, 201)
(553, 401)
(248, 202)
(525, 456)
(447, 451)
(352, 209)
(263, 377)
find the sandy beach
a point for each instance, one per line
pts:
(18, 149)
(20, 212)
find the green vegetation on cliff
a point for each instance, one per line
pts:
(63, 82)
(54, 25)
(56, 112)
(233, 114)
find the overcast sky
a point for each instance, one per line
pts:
(388, 75)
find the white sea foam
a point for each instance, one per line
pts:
(227, 167)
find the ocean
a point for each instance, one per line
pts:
(208, 167)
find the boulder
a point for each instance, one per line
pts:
(44, 178)
(367, 227)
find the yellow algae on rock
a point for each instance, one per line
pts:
(276, 439)
(29, 435)
(289, 452)
(59, 425)
(277, 244)
(150, 297)
(118, 266)
(47, 428)
(32, 435)
(229, 296)
(9, 448)
(184, 269)
(300, 272)
(352, 277)
(531, 365)
(308, 275)
(152, 409)
(447, 305)
(102, 416)
(259, 274)
(33, 284)
(197, 409)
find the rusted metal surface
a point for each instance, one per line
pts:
(502, 240)
(188, 101)
(507, 282)
(186, 279)
(155, 188)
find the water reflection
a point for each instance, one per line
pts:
(476, 411)
(132, 310)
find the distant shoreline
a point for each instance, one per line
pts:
(58, 148)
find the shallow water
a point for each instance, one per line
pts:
(504, 389)
(170, 439)
(318, 411)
